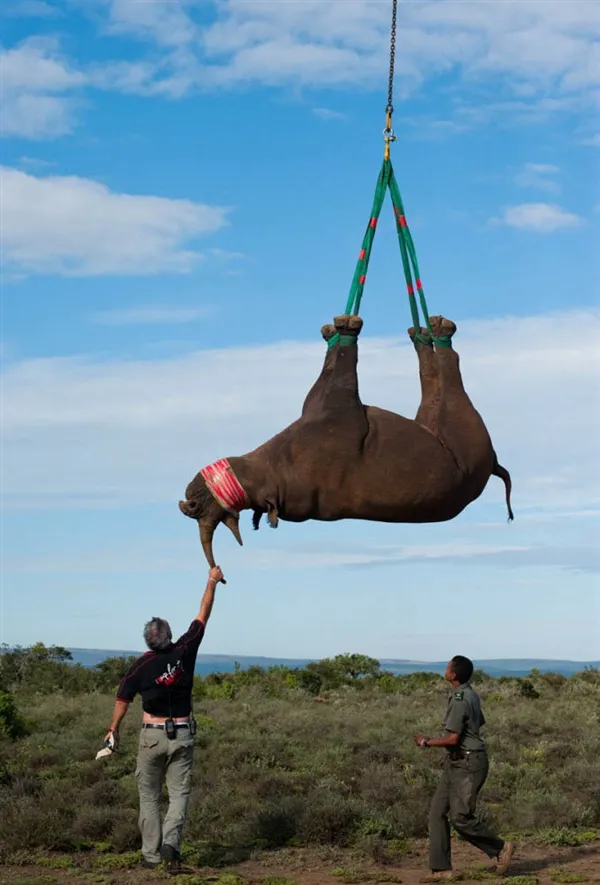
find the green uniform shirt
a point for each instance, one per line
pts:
(465, 717)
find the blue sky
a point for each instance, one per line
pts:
(185, 187)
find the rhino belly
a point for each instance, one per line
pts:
(399, 472)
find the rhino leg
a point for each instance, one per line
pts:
(313, 396)
(336, 390)
(452, 388)
(460, 426)
(431, 385)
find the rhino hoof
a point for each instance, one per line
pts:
(441, 327)
(425, 336)
(328, 332)
(348, 325)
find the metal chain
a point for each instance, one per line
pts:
(388, 132)
(390, 107)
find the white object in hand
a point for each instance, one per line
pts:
(105, 752)
(109, 747)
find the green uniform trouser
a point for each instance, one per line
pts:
(162, 760)
(454, 803)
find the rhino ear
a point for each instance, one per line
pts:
(233, 524)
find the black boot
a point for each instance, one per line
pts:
(171, 858)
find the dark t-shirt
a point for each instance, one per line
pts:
(165, 679)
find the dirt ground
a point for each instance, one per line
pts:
(531, 866)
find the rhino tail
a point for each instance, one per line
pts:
(503, 474)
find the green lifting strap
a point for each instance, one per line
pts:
(386, 180)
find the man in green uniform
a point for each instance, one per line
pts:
(465, 771)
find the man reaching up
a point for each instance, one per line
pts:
(164, 677)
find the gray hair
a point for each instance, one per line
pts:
(157, 634)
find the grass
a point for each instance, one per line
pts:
(521, 880)
(286, 771)
(342, 874)
(565, 837)
(124, 861)
(35, 880)
(562, 877)
(277, 880)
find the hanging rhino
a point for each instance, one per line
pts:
(344, 460)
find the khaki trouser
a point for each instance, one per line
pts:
(162, 760)
(454, 802)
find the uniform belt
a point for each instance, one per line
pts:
(162, 725)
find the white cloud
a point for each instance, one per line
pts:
(32, 9)
(82, 228)
(328, 114)
(151, 314)
(539, 217)
(577, 558)
(429, 129)
(530, 110)
(542, 168)
(225, 255)
(592, 141)
(541, 176)
(342, 43)
(83, 431)
(38, 90)
(545, 63)
(35, 162)
(176, 557)
(165, 22)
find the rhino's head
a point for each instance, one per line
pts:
(200, 504)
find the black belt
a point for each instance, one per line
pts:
(162, 725)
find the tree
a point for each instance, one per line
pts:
(344, 669)
(112, 670)
(355, 666)
(52, 653)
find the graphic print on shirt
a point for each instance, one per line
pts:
(171, 675)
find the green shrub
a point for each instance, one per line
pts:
(11, 723)
(274, 768)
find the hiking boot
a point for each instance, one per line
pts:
(150, 864)
(171, 858)
(505, 858)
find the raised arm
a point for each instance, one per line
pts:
(214, 576)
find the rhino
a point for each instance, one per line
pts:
(343, 460)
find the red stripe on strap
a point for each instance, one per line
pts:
(362, 279)
(402, 220)
(361, 254)
(373, 223)
(215, 478)
(411, 291)
(229, 489)
(419, 285)
(223, 493)
(225, 486)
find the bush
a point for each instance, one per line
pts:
(11, 723)
(276, 768)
